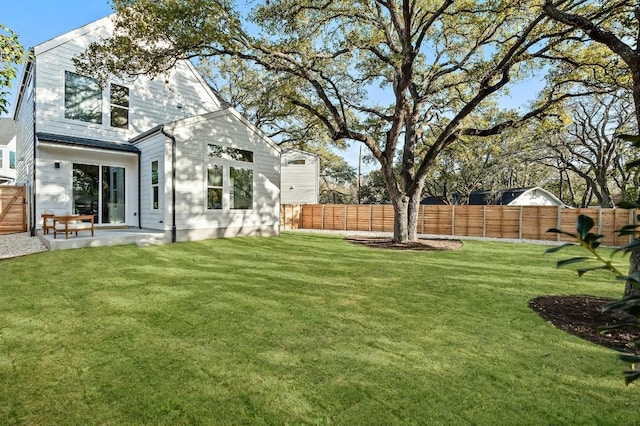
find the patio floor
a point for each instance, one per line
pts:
(105, 237)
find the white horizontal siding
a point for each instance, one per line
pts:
(180, 94)
(24, 139)
(192, 137)
(155, 148)
(54, 186)
(299, 182)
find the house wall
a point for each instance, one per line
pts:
(155, 148)
(193, 219)
(25, 134)
(54, 185)
(5, 169)
(299, 182)
(182, 93)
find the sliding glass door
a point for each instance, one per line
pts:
(99, 191)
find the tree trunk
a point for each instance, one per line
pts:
(400, 219)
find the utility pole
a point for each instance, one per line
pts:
(359, 172)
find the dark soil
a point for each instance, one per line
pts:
(421, 244)
(581, 316)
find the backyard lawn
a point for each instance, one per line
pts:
(299, 329)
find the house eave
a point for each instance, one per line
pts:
(47, 139)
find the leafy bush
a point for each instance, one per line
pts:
(630, 303)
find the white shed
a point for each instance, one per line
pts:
(300, 177)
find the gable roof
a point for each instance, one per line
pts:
(507, 197)
(107, 23)
(286, 151)
(210, 116)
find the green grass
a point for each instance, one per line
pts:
(300, 329)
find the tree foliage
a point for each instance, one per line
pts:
(11, 54)
(405, 78)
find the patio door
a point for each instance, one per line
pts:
(99, 191)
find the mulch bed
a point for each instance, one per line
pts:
(581, 316)
(421, 244)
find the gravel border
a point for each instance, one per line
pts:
(14, 245)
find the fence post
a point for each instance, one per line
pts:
(559, 222)
(322, 218)
(520, 223)
(632, 215)
(600, 220)
(346, 207)
(370, 217)
(423, 206)
(484, 221)
(453, 220)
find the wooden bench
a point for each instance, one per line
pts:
(72, 224)
(47, 221)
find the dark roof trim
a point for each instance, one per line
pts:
(149, 132)
(88, 143)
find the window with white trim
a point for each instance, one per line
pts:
(82, 98)
(155, 188)
(215, 179)
(119, 106)
(229, 178)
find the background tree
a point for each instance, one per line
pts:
(405, 78)
(11, 55)
(590, 149)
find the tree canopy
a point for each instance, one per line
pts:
(11, 54)
(406, 78)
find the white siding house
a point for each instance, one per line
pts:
(8, 158)
(133, 153)
(300, 177)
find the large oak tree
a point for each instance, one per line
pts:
(406, 78)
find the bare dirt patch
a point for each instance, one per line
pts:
(581, 316)
(419, 245)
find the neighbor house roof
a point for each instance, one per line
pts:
(509, 196)
(88, 143)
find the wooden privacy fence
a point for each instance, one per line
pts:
(519, 222)
(13, 213)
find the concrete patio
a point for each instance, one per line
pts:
(105, 237)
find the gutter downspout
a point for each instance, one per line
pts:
(33, 163)
(139, 190)
(173, 184)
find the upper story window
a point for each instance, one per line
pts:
(12, 160)
(82, 98)
(119, 106)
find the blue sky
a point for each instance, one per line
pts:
(36, 21)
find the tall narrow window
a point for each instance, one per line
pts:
(82, 98)
(1, 159)
(12, 160)
(119, 106)
(214, 187)
(241, 188)
(155, 190)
